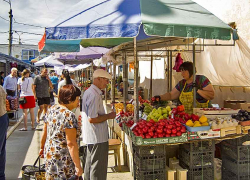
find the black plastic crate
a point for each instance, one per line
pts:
(150, 162)
(237, 167)
(150, 175)
(199, 146)
(196, 159)
(149, 150)
(228, 175)
(235, 152)
(238, 141)
(202, 173)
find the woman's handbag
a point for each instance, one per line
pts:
(29, 171)
(22, 100)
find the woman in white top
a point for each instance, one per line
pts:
(66, 80)
(25, 84)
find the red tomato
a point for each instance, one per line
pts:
(174, 131)
(178, 133)
(159, 131)
(169, 131)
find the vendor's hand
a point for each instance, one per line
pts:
(112, 115)
(41, 153)
(79, 171)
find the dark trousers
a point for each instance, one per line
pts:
(96, 161)
(4, 122)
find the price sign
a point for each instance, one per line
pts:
(132, 127)
(144, 117)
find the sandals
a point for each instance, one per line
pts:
(33, 128)
(22, 129)
(37, 120)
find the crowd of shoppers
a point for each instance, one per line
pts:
(62, 128)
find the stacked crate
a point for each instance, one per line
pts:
(198, 158)
(149, 162)
(236, 159)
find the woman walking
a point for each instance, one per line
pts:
(66, 80)
(25, 84)
(60, 133)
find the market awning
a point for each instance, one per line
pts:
(84, 53)
(48, 61)
(113, 22)
(58, 45)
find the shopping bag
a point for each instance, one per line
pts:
(28, 171)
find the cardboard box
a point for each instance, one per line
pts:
(170, 173)
(237, 104)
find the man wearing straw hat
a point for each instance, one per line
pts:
(95, 128)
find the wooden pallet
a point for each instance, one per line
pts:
(230, 130)
(245, 129)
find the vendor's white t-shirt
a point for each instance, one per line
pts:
(26, 86)
(63, 82)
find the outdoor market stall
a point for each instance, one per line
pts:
(157, 20)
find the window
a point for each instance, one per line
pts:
(28, 55)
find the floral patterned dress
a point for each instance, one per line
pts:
(58, 162)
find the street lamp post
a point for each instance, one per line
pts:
(10, 28)
(19, 39)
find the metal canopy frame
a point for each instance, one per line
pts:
(151, 45)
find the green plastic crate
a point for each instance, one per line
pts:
(139, 141)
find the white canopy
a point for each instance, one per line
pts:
(48, 61)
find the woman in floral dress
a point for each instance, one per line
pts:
(59, 140)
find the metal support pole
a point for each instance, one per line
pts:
(92, 71)
(106, 89)
(170, 70)
(151, 77)
(113, 84)
(194, 88)
(168, 60)
(10, 33)
(136, 83)
(125, 79)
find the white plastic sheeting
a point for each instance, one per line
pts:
(224, 65)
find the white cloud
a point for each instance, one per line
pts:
(35, 12)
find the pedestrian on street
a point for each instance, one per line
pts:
(4, 122)
(59, 141)
(10, 83)
(1, 78)
(54, 79)
(10, 86)
(41, 91)
(25, 84)
(95, 128)
(66, 79)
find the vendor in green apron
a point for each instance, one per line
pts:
(184, 89)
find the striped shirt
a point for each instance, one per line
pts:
(92, 107)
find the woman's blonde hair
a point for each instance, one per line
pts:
(25, 71)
